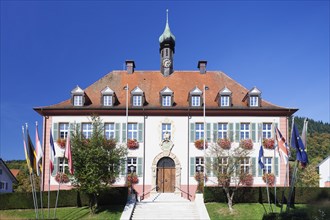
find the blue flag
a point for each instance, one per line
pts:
(297, 143)
(261, 158)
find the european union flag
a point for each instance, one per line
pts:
(298, 144)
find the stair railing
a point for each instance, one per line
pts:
(188, 195)
(144, 194)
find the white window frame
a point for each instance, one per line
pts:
(132, 131)
(245, 131)
(166, 100)
(199, 162)
(254, 101)
(63, 130)
(109, 131)
(195, 100)
(137, 100)
(77, 100)
(268, 164)
(131, 162)
(62, 166)
(224, 100)
(267, 130)
(87, 130)
(166, 127)
(107, 100)
(199, 131)
(222, 130)
(245, 165)
(222, 165)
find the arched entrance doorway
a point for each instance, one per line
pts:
(166, 175)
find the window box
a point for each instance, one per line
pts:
(224, 143)
(199, 144)
(109, 144)
(62, 178)
(269, 178)
(246, 144)
(268, 143)
(132, 144)
(246, 179)
(61, 143)
(132, 178)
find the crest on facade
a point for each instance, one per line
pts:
(166, 144)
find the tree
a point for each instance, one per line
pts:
(96, 161)
(308, 176)
(226, 166)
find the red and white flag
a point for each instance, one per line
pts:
(51, 152)
(68, 153)
(282, 146)
(39, 152)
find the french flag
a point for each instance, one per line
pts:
(51, 152)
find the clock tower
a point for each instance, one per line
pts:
(166, 50)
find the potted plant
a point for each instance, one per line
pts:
(62, 178)
(61, 142)
(224, 143)
(269, 178)
(110, 143)
(199, 144)
(246, 179)
(268, 143)
(246, 144)
(132, 178)
(132, 144)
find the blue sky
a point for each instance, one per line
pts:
(49, 47)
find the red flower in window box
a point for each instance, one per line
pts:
(268, 143)
(62, 178)
(270, 177)
(132, 144)
(224, 143)
(199, 144)
(61, 142)
(246, 144)
(132, 178)
(246, 179)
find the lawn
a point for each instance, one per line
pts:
(105, 212)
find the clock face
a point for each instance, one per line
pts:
(166, 63)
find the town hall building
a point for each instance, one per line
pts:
(160, 116)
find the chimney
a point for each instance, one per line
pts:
(130, 65)
(202, 66)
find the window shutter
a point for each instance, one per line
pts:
(123, 167)
(253, 166)
(140, 132)
(208, 132)
(215, 132)
(208, 166)
(276, 166)
(55, 131)
(253, 130)
(55, 166)
(231, 132)
(274, 132)
(260, 131)
(192, 166)
(117, 131)
(71, 129)
(259, 170)
(192, 132)
(139, 166)
(124, 133)
(237, 130)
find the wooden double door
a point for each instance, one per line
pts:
(166, 175)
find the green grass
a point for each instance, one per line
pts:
(241, 211)
(105, 212)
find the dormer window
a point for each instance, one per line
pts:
(195, 97)
(254, 97)
(108, 97)
(137, 97)
(77, 96)
(225, 97)
(166, 96)
(254, 101)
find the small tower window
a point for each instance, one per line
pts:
(166, 96)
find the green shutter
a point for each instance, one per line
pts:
(208, 166)
(192, 166)
(117, 131)
(276, 126)
(55, 131)
(139, 166)
(215, 132)
(123, 135)
(192, 132)
(237, 131)
(55, 166)
(208, 132)
(231, 132)
(259, 170)
(140, 132)
(253, 166)
(260, 131)
(71, 128)
(276, 166)
(253, 130)
(123, 167)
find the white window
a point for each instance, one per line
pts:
(87, 130)
(131, 164)
(254, 101)
(199, 132)
(222, 165)
(222, 130)
(268, 164)
(107, 100)
(224, 100)
(166, 127)
(77, 100)
(137, 100)
(132, 131)
(245, 165)
(166, 100)
(266, 130)
(245, 131)
(64, 129)
(199, 164)
(195, 100)
(109, 130)
(62, 165)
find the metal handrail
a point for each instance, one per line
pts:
(144, 194)
(184, 192)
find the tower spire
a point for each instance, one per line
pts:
(166, 16)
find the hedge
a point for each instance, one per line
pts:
(302, 195)
(67, 198)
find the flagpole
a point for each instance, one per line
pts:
(40, 173)
(49, 174)
(294, 172)
(274, 168)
